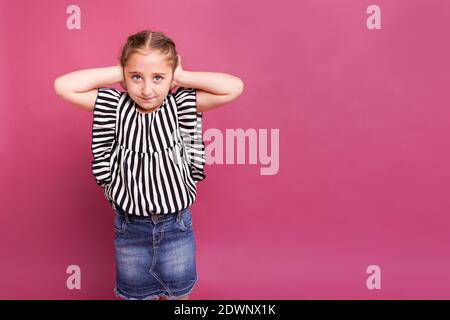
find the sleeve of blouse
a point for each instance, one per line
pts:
(103, 133)
(190, 122)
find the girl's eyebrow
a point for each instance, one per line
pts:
(155, 73)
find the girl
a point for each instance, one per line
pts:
(148, 157)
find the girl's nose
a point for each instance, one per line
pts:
(147, 90)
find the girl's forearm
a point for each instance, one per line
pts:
(88, 79)
(213, 82)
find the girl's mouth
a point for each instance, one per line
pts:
(148, 99)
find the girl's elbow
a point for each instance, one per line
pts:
(57, 86)
(239, 87)
(237, 91)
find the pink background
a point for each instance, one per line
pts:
(364, 147)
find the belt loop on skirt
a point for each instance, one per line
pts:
(155, 217)
(125, 214)
(127, 217)
(179, 213)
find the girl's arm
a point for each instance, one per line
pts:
(80, 87)
(214, 89)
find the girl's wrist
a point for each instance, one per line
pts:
(120, 76)
(180, 78)
(120, 72)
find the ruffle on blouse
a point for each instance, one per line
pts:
(190, 122)
(103, 133)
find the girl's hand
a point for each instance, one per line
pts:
(176, 74)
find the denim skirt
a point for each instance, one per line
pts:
(155, 255)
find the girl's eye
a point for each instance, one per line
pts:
(132, 77)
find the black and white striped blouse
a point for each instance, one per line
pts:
(148, 163)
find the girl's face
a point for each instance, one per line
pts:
(148, 78)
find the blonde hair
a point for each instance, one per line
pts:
(148, 40)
